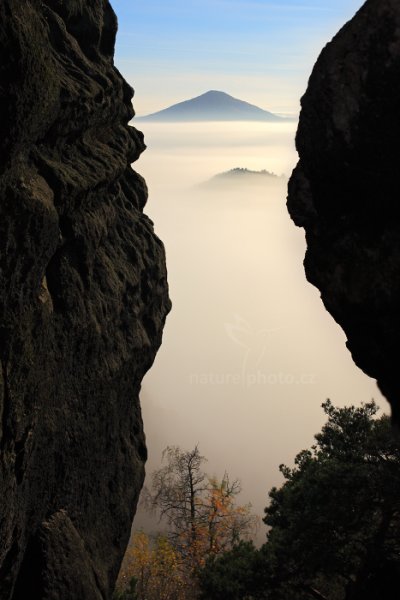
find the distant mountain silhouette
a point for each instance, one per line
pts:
(240, 176)
(212, 106)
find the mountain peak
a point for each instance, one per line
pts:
(213, 105)
(215, 93)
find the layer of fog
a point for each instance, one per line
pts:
(249, 352)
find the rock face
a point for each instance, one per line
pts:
(83, 300)
(345, 189)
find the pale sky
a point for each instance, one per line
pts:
(260, 51)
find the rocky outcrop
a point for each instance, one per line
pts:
(83, 299)
(344, 190)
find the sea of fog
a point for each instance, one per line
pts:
(249, 352)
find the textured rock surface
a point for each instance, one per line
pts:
(345, 189)
(83, 299)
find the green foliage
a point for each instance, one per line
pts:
(334, 523)
(336, 518)
(233, 574)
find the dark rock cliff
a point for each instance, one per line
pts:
(83, 300)
(345, 188)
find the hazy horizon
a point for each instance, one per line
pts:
(249, 351)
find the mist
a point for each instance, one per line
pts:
(249, 353)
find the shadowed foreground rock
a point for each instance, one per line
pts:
(345, 189)
(83, 300)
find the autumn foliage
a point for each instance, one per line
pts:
(202, 519)
(151, 570)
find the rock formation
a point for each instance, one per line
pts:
(83, 300)
(345, 189)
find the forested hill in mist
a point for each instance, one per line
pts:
(212, 106)
(241, 176)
